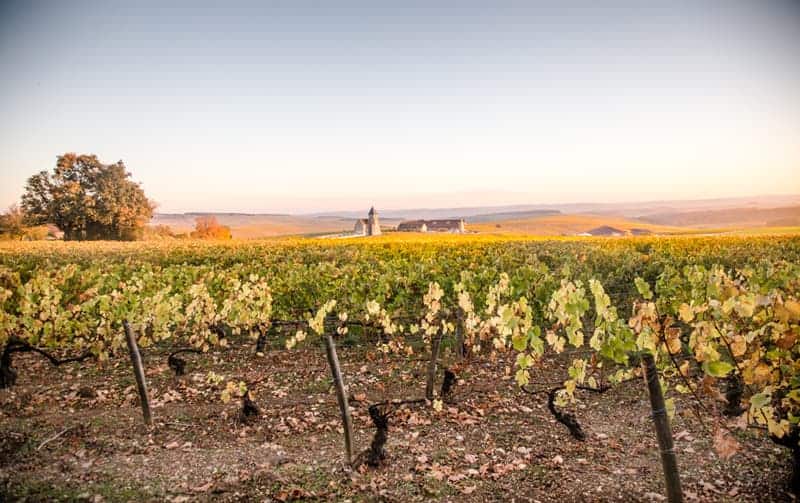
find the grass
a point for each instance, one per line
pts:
(319, 386)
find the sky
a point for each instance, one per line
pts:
(316, 106)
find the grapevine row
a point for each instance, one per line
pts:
(705, 323)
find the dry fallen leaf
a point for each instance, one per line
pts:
(725, 444)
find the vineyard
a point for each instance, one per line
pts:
(457, 368)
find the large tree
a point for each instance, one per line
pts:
(87, 199)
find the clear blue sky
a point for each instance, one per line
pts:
(300, 106)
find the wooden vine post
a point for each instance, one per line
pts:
(436, 343)
(138, 372)
(669, 462)
(341, 395)
(460, 336)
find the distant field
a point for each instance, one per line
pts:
(533, 223)
(562, 225)
(788, 216)
(257, 226)
(761, 231)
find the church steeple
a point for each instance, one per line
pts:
(373, 224)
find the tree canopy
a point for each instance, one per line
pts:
(13, 226)
(87, 199)
(207, 227)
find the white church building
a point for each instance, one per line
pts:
(369, 226)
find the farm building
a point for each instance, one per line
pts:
(413, 226)
(369, 226)
(455, 225)
(361, 226)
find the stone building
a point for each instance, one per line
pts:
(455, 225)
(369, 226)
(412, 226)
(360, 227)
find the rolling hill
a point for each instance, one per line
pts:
(567, 225)
(659, 217)
(731, 217)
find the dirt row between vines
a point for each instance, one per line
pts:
(76, 433)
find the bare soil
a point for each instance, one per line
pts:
(76, 433)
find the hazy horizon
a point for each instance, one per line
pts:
(384, 206)
(259, 107)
